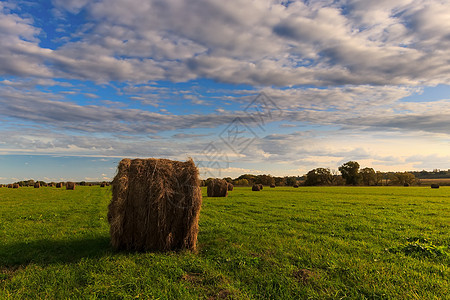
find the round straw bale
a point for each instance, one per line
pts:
(296, 185)
(70, 185)
(256, 188)
(261, 186)
(272, 185)
(406, 184)
(59, 184)
(15, 186)
(155, 205)
(103, 184)
(230, 186)
(217, 188)
(37, 185)
(10, 186)
(434, 186)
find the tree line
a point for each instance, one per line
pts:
(349, 173)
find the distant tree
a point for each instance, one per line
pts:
(241, 182)
(401, 178)
(250, 178)
(280, 181)
(265, 180)
(350, 172)
(368, 176)
(228, 179)
(319, 176)
(379, 178)
(291, 180)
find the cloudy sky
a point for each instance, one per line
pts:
(240, 86)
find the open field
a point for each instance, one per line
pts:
(282, 243)
(440, 181)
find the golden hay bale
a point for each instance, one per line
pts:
(434, 186)
(261, 186)
(59, 185)
(103, 184)
(272, 185)
(155, 205)
(70, 185)
(37, 185)
(296, 185)
(230, 186)
(256, 187)
(15, 186)
(217, 188)
(10, 186)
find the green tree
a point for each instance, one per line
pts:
(350, 172)
(291, 180)
(265, 179)
(401, 178)
(241, 182)
(368, 176)
(379, 178)
(319, 176)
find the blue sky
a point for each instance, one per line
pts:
(277, 87)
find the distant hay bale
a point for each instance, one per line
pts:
(51, 185)
(261, 186)
(10, 186)
(406, 184)
(296, 185)
(70, 185)
(256, 187)
(155, 205)
(37, 185)
(103, 184)
(272, 185)
(230, 186)
(217, 188)
(59, 184)
(15, 186)
(434, 186)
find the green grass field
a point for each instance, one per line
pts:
(282, 243)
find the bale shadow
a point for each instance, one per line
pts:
(47, 251)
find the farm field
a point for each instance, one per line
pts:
(281, 243)
(441, 181)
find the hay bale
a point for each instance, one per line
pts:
(230, 186)
(256, 187)
(70, 185)
(10, 186)
(296, 185)
(15, 186)
(59, 185)
(434, 186)
(406, 184)
(217, 188)
(272, 185)
(37, 185)
(261, 186)
(155, 205)
(103, 184)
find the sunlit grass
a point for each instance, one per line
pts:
(282, 243)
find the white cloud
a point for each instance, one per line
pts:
(253, 42)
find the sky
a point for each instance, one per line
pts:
(240, 86)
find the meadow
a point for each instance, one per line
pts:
(278, 243)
